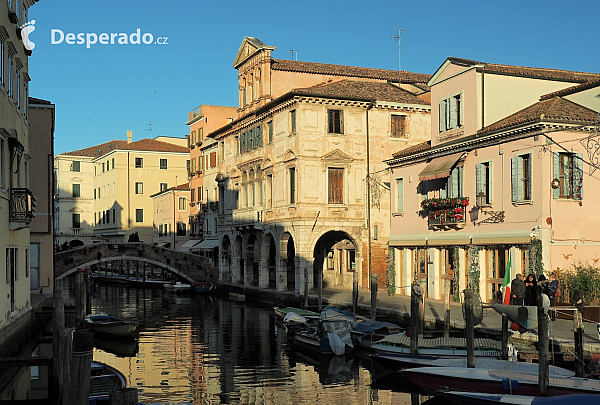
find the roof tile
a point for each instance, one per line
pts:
(420, 147)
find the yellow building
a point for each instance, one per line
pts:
(16, 198)
(171, 216)
(126, 177)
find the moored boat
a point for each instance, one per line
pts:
(399, 343)
(368, 332)
(177, 287)
(110, 325)
(281, 312)
(495, 381)
(203, 288)
(103, 380)
(478, 398)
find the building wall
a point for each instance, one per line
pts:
(124, 201)
(167, 213)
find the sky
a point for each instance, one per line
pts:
(102, 91)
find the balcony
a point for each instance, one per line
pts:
(247, 217)
(21, 208)
(445, 212)
(214, 205)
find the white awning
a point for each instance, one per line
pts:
(206, 246)
(189, 244)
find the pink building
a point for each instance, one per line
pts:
(512, 150)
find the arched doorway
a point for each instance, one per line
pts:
(225, 266)
(251, 264)
(238, 262)
(335, 258)
(269, 251)
(290, 264)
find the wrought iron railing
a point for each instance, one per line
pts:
(21, 205)
(445, 211)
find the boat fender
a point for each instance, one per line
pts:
(510, 384)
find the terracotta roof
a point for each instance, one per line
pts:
(421, 147)
(184, 186)
(33, 100)
(571, 90)
(98, 150)
(153, 145)
(350, 71)
(555, 109)
(353, 89)
(567, 75)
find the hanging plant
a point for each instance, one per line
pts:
(391, 273)
(474, 271)
(535, 257)
(456, 267)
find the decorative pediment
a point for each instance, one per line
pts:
(289, 156)
(250, 47)
(338, 156)
(266, 164)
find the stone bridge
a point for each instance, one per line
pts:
(192, 268)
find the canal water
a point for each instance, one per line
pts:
(209, 350)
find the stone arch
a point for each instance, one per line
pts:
(335, 256)
(237, 271)
(288, 252)
(225, 257)
(252, 266)
(268, 254)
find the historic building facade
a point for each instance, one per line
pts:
(499, 186)
(295, 169)
(170, 216)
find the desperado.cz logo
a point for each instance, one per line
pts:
(114, 38)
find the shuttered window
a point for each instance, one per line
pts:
(521, 178)
(336, 186)
(483, 183)
(451, 113)
(568, 170)
(398, 129)
(400, 195)
(213, 159)
(335, 122)
(292, 185)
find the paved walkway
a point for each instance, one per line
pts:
(561, 330)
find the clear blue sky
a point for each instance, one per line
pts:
(103, 91)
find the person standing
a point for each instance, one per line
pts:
(517, 291)
(530, 284)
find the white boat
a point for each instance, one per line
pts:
(399, 343)
(178, 287)
(110, 325)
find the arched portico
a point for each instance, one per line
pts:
(268, 262)
(237, 271)
(336, 258)
(225, 260)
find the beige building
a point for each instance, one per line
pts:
(171, 216)
(126, 177)
(501, 180)
(293, 169)
(16, 198)
(74, 199)
(41, 252)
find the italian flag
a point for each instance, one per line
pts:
(506, 282)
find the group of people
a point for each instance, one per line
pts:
(523, 292)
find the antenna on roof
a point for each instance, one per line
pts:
(399, 38)
(149, 125)
(292, 54)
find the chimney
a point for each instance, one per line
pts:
(129, 135)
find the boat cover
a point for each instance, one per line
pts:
(526, 316)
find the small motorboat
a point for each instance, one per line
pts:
(281, 312)
(368, 331)
(399, 343)
(177, 287)
(103, 380)
(478, 398)
(110, 325)
(203, 288)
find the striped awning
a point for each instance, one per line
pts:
(439, 168)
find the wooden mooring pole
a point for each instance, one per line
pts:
(305, 288)
(578, 336)
(504, 337)
(416, 304)
(373, 297)
(543, 376)
(80, 298)
(469, 328)
(123, 396)
(320, 275)
(59, 372)
(447, 313)
(354, 291)
(88, 292)
(81, 366)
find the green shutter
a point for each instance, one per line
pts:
(515, 179)
(461, 106)
(578, 176)
(454, 189)
(529, 174)
(452, 112)
(400, 206)
(479, 180)
(442, 115)
(556, 173)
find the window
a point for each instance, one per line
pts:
(270, 192)
(399, 195)
(76, 166)
(521, 178)
(76, 221)
(18, 88)
(139, 163)
(181, 229)
(568, 170)
(270, 127)
(139, 215)
(10, 75)
(2, 164)
(193, 140)
(76, 190)
(200, 194)
(335, 124)
(292, 171)
(160, 230)
(213, 159)
(99, 192)
(2, 56)
(94, 194)
(113, 163)
(222, 151)
(114, 215)
(102, 167)
(139, 188)
(330, 260)
(163, 187)
(451, 113)
(182, 204)
(293, 122)
(108, 165)
(351, 260)
(336, 186)
(187, 165)
(163, 164)
(200, 135)
(398, 126)
(483, 184)
(446, 187)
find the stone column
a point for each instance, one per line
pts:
(281, 273)
(236, 277)
(263, 270)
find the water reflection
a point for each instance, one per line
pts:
(208, 350)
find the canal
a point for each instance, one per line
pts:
(209, 350)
